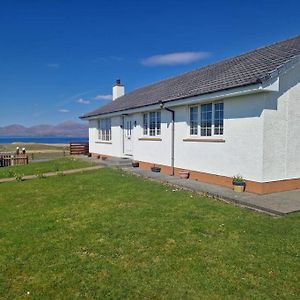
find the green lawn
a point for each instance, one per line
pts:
(56, 165)
(108, 235)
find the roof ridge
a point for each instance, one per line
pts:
(211, 64)
(243, 69)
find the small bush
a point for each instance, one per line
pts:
(56, 168)
(10, 173)
(19, 177)
(40, 175)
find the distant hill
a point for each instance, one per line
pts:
(68, 128)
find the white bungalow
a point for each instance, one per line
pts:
(238, 116)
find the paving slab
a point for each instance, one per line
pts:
(277, 203)
(109, 161)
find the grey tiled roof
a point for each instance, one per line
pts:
(249, 68)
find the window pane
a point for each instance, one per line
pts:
(108, 128)
(102, 129)
(206, 119)
(158, 122)
(105, 129)
(145, 124)
(152, 123)
(219, 118)
(194, 120)
(99, 130)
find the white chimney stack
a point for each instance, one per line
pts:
(118, 90)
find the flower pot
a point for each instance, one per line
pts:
(239, 187)
(155, 169)
(184, 174)
(135, 164)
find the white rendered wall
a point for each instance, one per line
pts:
(240, 154)
(242, 151)
(158, 152)
(115, 148)
(281, 129)
(261, 133)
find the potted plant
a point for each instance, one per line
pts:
(238, 183)
(135, 164)
(184, 174)
(155, 169)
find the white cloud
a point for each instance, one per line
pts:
(53, 65)
(103, 97)
(63, 110)
(172, 59)
(83, 101)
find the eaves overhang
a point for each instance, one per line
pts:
(270, 85)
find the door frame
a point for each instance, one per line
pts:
(125, 128)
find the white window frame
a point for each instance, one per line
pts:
(104, 130)
(152, 132)
(213, 135)
(190, 125)
(214, 112)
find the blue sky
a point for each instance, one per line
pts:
(59, 59)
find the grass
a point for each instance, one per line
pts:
(108, 235)
(56, 165)
(38, 151)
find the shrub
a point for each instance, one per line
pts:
(10, 173)
(56, 168)
(238, 180)
(19, 177)
(40, 175)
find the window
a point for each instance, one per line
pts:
(206, 119)
(211, 119)
(219, 118)
(145, 124)
(128, 128)
(104, 127)
(158, 122)
(194, 120)
(152, 123)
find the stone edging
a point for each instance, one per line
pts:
(50, 174)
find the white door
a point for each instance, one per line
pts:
(128, 126)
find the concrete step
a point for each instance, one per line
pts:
(116, 162)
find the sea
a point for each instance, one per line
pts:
(41, 140)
